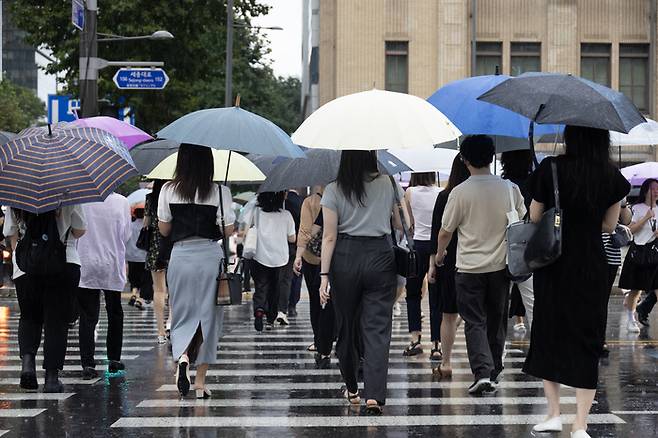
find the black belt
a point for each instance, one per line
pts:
(350, 237)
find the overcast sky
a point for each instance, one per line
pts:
(286, 44)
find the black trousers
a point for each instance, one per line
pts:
(140, 278)
(363, 283)
(89, 307)
(285, 282)
(45, 303)
(322, 320)
(436, 311)
(414, 285)
(482, 302)
(267, 281)
(646, 305)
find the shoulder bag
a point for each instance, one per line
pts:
(406, 259)
(621, 237)
(545, 245)
(518, 234)
(144, 239)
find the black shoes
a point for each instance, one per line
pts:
(322, 362)
(258, 320)
(481, 386)
(115, 366)
(643, 319)
(52, 382)
(29, 373)
(89, 373)
(292, 311)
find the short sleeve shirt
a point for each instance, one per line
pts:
(274, 228)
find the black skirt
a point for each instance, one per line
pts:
(636, 277)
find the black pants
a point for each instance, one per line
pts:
(295, 291)
(646, 305)
(414, 285)
(89, 306)
(285, 282)
(140, 278)
(246, 274)
(436, 311)
(322, 320)
(45, 304)
(363, 283)
(482, 302)
(266, 296)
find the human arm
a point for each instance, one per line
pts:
(536, 211)
(639, 222)
(292, 236)
(397, 223)
(625, 214)
(407, 203)
(305, 230)
(445, 237)
(611, 218)
(78, 222)
(330, 233)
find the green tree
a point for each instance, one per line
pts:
(21, 108)
(194, 59)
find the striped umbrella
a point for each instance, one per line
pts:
(42, 171)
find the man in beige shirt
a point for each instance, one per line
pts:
(478, 211)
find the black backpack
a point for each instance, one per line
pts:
(40, 251)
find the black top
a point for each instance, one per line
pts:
(194, 220)
(294, 205)
(437, 216)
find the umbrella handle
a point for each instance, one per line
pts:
(225, 246)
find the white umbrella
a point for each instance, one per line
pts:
(373, 120)
(643, 134)
(138, 196)
(426, 160)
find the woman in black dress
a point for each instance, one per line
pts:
(571, 294)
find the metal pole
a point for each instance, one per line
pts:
(652, 58)
(228, 88)
(474, 11)
(88, 66)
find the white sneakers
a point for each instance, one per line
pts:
(580, 433)
(519, 327)
(282, 318)
(632, 326)
(397, 309)
(481, 386)
(551, 425)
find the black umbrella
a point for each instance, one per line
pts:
(149, 154)
(320, 167)
(502, 143)
(565, 99)
(6, 137)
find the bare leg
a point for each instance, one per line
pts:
(552, 393)
(630, 301)
(519, 320)
(584, 400)
(159, 292)
(448, 331)
(200, 380)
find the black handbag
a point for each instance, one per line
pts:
(644, 256)
(229, 284)
(144, 239)
(545, 245)
(406, 259)
(621, 237)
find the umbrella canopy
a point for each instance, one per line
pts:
(6, 136)
(244, 197)
(320, 167)
(458, 100)
(373, 120)
(638, 173)
(127, 133)
(232, 129)
(40, 172)
(643, 134)
(241, 169)
(426, 160)
(138, 196)
(148, 155)
(502, 143)
(565, 99)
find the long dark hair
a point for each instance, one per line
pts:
(422, 179)
(271, 202)
(644, 189)
(154, 196)
(517, 165)
(355, 167)
(458, 174)
(194, 172)
(589, 151)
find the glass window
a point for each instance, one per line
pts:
(634, 73)
(489, 58)
(526, 57)
(315, 65)
(397, 68)
(595, 62)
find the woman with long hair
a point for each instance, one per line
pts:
(635, 277)
(568, 329)
(420, 198)
(357, 260)
(189, 212)
(443, 295)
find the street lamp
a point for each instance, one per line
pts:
(230, 25)
(158, 35)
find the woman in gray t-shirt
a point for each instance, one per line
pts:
(358, 262)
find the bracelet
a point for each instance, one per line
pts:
(324, 274)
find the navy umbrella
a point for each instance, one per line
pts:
(565, 99)
(42, 170)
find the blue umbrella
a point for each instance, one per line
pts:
(44, 170)
(232, 129)
(458, 100)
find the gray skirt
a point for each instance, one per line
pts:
(192, 279)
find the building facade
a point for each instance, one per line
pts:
(416, 46)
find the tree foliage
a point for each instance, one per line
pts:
(194, 59)
(21, 108)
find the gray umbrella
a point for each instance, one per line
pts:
(565, 99)
(6, 137)
(503, 143)
(320, 167)
(149, 154)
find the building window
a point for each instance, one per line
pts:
(489, 58)
(595, 62)
(634, 73)
(526, 57)
(397, 66)
(315, 65)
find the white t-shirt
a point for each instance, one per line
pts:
(273, 232)
(422, 200)
(645, 234)
(169, 196)
(71, 216)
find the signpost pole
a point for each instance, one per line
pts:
(88, 65)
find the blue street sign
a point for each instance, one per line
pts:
(62, 108)
(141, 79)
(78, 13)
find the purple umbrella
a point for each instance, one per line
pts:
(127, 133)
(638, 173)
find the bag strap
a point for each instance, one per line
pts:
(410, 242)
(556, 189)
(224, 237)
